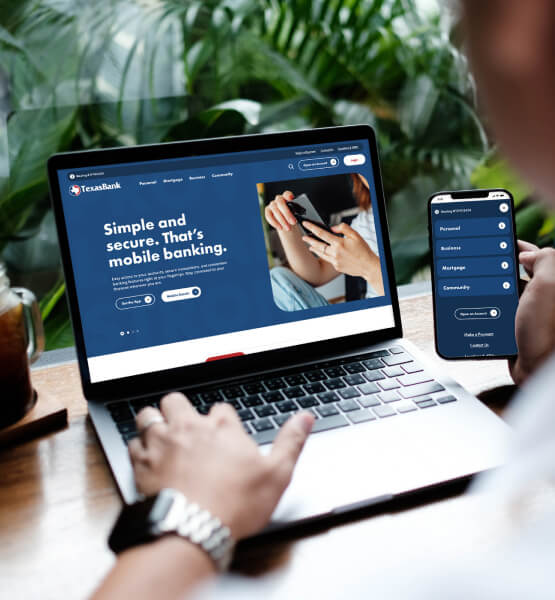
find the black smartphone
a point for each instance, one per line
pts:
(303, 210)
(474, 273)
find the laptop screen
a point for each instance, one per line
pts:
(186, 260)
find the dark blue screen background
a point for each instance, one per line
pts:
(227, 210)
(475, 274)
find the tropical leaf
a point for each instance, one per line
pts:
(276, 115)
(125, 72)
(256, 59)
(7, 40)
(33, 135)
(346, 112)
(249, 109)
(50, 300)
(547, 231)
(37, 253)
(417, 102)
(529, 221)
(57, 329)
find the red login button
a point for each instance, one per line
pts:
(352, 160)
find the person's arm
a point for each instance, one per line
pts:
(301, 260)
(535, 316)
(165, 569)
(349, 254)
(214, 463)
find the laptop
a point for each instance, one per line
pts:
(176, 280)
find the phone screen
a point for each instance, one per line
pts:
(303, 210)
(474, 273)
(307, 209)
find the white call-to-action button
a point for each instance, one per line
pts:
(309, 164)
(354, 159)
(138, 301)
(181, 294)
(486, 312)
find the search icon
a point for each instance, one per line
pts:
(290, 165)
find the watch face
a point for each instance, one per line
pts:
(133, 525)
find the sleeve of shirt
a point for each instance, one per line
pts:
(364, 225)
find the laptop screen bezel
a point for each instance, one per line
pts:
(241, 366)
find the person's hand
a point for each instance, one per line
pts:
(349, 254)
(278, 214)
(214, 463)
(535, 316)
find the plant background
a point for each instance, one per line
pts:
(76, 74)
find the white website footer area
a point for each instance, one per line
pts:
(273, 337)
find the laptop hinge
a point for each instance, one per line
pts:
(254, 375)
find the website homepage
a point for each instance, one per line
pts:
(182, 261)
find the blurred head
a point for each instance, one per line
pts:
(511, 46)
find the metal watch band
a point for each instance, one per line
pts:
(195, 524)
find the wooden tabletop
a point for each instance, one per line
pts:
(58, 500)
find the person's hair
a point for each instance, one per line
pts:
(360, 192)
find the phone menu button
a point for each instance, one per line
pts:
(486, 312)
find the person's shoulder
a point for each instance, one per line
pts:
(364, 217)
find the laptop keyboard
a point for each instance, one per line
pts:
(340, 393)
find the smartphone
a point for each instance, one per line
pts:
(474, 273)
(303, 210)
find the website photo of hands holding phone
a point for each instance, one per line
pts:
(323, 242)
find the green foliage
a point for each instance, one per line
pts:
(495, 172)
(117, 72)
(533, 222)
(57, 327)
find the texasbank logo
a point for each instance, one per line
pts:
(77, 190)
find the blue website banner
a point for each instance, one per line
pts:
(167, 251)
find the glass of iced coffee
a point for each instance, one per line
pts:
(21, 343)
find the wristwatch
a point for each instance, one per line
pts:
(170, 512)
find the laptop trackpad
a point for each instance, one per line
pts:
(379, 458)
(334, 469)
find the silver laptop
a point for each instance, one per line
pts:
(177, 280)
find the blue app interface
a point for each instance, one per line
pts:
(476, 278)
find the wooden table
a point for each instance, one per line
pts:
(58, 500)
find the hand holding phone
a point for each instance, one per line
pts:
(474, 273)
(278, 214)
(535, 317)
(286, 210)
(303, 210)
